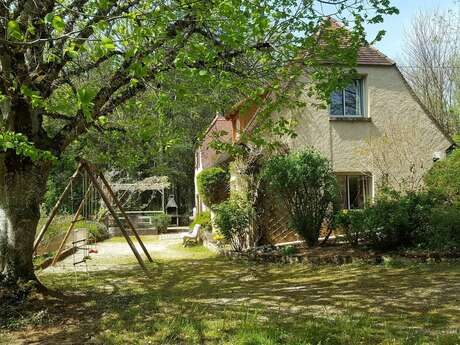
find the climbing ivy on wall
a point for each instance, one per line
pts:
(213, 185)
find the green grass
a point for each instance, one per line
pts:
(194, 297)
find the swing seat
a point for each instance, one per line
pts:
(191, 237)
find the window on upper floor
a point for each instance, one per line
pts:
(349, 101)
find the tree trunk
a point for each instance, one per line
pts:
(22, 186)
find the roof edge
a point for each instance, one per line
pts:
(424, 108)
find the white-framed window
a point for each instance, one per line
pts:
(355, 191)
(349, 101)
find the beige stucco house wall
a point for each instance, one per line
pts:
(394, 142)
(395, 139)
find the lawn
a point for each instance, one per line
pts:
(196, 297)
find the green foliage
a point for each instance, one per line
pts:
(161, 221)
(212, 184)
(456, 138)
(288, 250)
(397, 220)
(96, 231)
(444, 177)
(60, 224)
(154, 141)
(22, 146)
(204, 51)
(352, 223)
(305, 183)
(232, 220)
(443, 232)
(59, 177)
(204, 218)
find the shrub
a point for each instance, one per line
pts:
(161, 222)
(394, 220)
(212, 184)
(288, 250)
(444, 177)
(397, 220)
(353, 223)
(444, 230)
(204, 218)
(305, 183)
(232, 220)
(415, 219)
(96, 231)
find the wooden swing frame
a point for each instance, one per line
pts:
(94, 174)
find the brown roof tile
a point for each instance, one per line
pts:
(371, 56)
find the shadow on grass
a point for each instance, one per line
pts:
(210, 300)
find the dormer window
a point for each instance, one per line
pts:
(349, 101)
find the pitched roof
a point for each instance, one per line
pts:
(369, 55)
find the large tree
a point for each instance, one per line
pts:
(48, 48)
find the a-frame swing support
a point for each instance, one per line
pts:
(55, 209)
(93, 173)
(72, 225)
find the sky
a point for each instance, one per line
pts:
(395, 25)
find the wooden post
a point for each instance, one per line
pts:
(71, 226)
(55, 208)
(104, 197)
(120, 207)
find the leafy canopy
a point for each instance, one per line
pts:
(68, 65)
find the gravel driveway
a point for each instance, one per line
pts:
(116, 253)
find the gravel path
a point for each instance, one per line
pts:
(116, 253)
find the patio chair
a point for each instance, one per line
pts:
(191, 236)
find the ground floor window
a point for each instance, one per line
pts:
(355, 190)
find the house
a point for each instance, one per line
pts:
(206, 156)
(374, 132)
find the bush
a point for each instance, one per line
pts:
(444, 230)
(204, 218)
(232, 220)
(288, 250)
(398, 220)
(394, 220)
(444, 177)
(416, 219)
(96, 231)
(305, 183)
(161, 222)
(212, 184)
(353, 223)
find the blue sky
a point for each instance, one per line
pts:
(394, 26)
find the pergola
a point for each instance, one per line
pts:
(152, 183)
